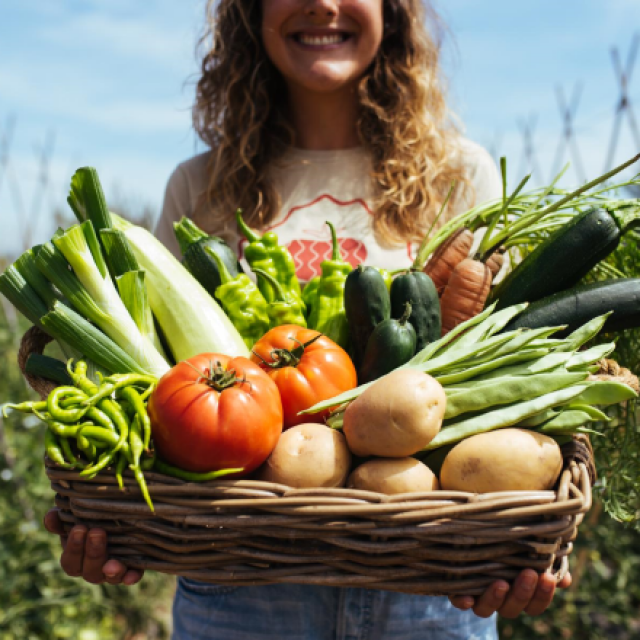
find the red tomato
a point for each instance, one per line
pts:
(215, 412)
(305, 372)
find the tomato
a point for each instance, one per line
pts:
(306, 368)
(215, 412)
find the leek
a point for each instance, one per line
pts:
(97, 299)
(190, 319)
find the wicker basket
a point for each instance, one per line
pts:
(247, 532)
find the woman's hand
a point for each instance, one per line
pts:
(85, 554)
(531, 593)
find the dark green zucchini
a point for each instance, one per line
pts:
(391, 344)
(418, 289)
(49, 368)
(564, 258)
(580, 304)
(367, 304)
(192, 241)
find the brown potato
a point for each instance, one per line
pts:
(308, 455)
(393, 475)
(396, 416)
(502, 460)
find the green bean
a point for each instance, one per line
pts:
(466, 374)
(53, 450)
(537, 418)
(439, 345)
(605, 392)
(596, 414)
(543, 364)
(583, 334)
(509, 390)
(566, 421)
(133, 397)
(190, 476)
(590, 356)
(503, 417)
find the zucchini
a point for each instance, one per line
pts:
(576, 306)
(564, 258)
(391, 344)
(49, 368)
(367, 304)
(203, 268)
(418, 289)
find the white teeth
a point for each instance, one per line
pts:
(320, 40)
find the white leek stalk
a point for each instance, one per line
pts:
(76, 245)
(191, 320)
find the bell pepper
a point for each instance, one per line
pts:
(264, 252)
(328, 313)
(242, 302)
(284, 309)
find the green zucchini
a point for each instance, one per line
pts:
(580, 304)
(49, 368)
(367, 304)
(192, 241)
(563, 259)
(391, 344)
(418, 289)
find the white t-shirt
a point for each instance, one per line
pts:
(315, 187)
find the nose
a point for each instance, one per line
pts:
(321, 9)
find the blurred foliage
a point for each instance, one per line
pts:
(604, 600)
(39, 601)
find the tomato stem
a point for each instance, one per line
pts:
(287, 357)
(216, 376)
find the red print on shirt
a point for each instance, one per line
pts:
(309, 254)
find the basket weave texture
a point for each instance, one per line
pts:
(249, 532)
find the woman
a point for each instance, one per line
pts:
(318, 110)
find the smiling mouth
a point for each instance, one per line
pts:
(312, 40)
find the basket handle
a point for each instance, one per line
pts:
(34, 341)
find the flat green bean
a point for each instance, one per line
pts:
(583, 334)
(544, 363)
(537, 419)
(508, 391)
(471, 373)
(582, 359)
(566, 421)
(605, 392)
(596, 414)
(503, 417)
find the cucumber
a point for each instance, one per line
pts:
(564, 258)
(367, 304)
(418, 289)
(391, 344)
(580, 304)
(48, 368)
(203, 268)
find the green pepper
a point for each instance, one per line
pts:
(284, 309)
(264, 252)
(310, 293)
(328, 314)
(243, 303)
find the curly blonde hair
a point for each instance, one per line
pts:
(403, 122)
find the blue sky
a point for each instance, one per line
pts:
(109, 83)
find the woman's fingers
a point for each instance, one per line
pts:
(95, 556)
(72, 557)
(491, 600)
(114, 571)
(521, 594)
(132, 577)
(52, 522)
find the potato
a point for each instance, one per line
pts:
(396, 416)
(308, 455)
(503, 460)
(393, 475)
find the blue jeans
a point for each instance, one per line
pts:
(302, 612)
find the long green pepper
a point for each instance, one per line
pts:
(283, 310)
(328, 313)
(264, 252)
(243, 303)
